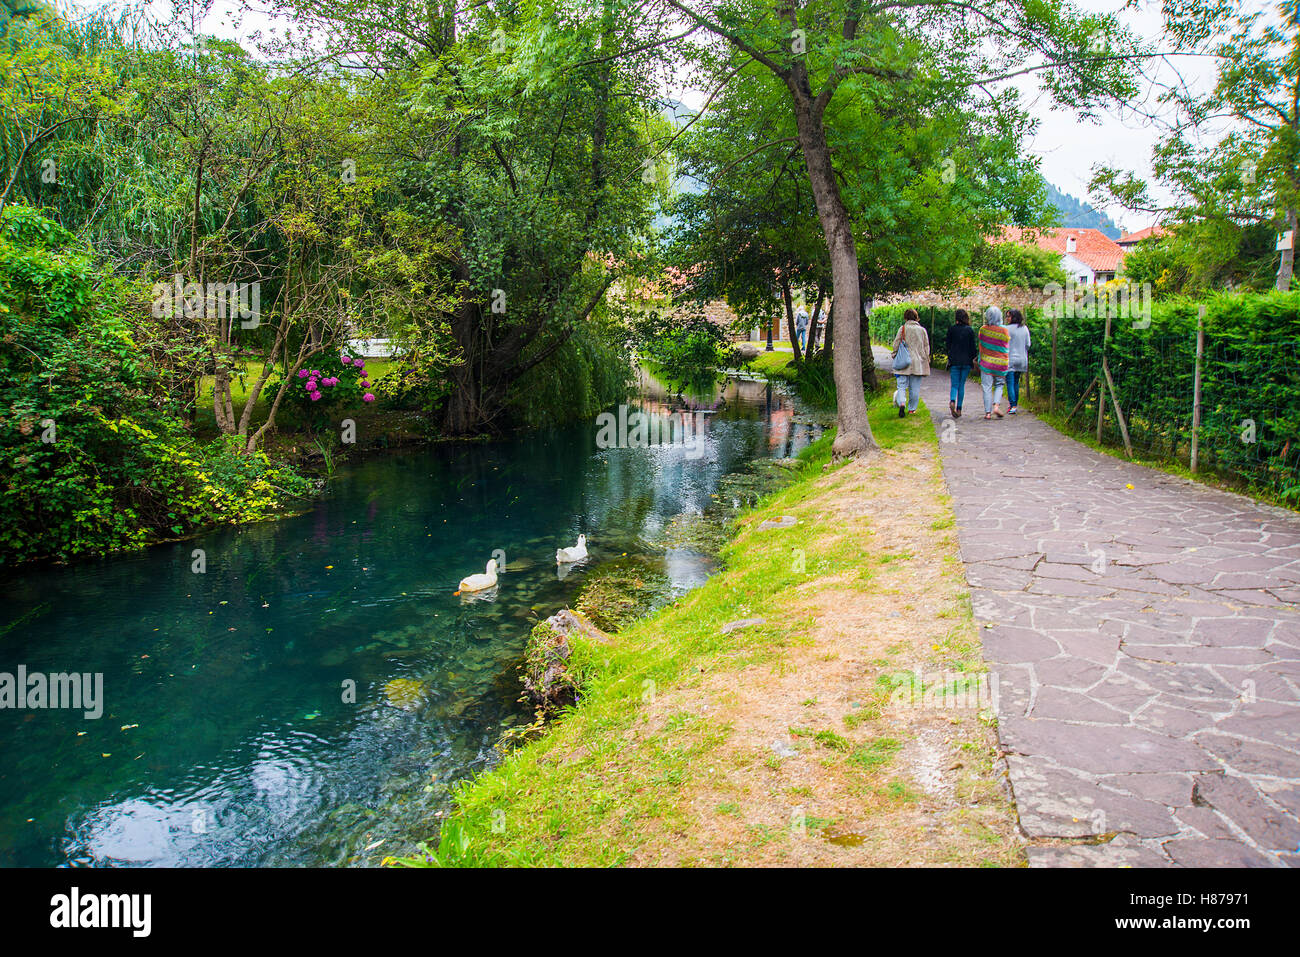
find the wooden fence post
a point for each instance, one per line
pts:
(1101, 386)
(1196, 389)
(1051, 399)
(1119, 413)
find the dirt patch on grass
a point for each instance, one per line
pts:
(823, 762)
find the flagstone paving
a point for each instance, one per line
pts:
(1145, 638)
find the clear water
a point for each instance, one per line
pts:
(226, 739)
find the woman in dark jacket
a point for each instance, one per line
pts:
(961, 356)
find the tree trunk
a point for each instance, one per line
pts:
(854, 432)
(813, 321)
(1286, 267)
(868, 357)
(791, 331)
(223, 408)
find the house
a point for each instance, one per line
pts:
(1088, 256)
(1129, 240)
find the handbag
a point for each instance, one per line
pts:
(902, 358)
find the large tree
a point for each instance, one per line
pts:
(825, 51)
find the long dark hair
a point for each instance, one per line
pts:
(961, 317)
(1016, 317)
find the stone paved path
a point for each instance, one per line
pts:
(1146, 641)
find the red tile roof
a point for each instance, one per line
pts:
(1128, 239)
(1092, 246)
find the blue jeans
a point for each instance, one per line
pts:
(911, 384)
(958, 376)
(1013, 387)
(992, 384)
(803, 334)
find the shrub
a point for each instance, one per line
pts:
(91, 459)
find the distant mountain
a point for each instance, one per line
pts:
(1077, 213)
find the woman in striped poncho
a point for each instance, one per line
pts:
(994, 340)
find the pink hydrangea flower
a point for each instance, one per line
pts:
(315, 396)
(313, 385)
(368, 397)
(347, 361)
(364, 383)
(302, 373)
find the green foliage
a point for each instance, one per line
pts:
(813, 379)
(1231, 157)
(687, 347)
(1203, 256)
(1250, 374)
(325, 386)
(91, 460)
(590, 372)
(1015, 264)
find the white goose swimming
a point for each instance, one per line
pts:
(480, 582)
(577, 553)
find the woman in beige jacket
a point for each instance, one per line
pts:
(909, 378)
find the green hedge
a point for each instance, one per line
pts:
(1250, 382)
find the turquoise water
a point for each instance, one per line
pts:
(226, 738)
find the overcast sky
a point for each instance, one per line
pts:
(1070, 149)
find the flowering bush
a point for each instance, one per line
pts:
(327, 383)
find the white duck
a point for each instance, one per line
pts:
(480, 582)
(577, 553)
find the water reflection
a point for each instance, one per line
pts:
(310, 699)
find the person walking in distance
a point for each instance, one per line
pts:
(801, 326)
(960, 347)
(1017, 357)
(913, 338)
(993, 349)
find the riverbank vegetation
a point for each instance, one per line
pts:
(759, 719)
(216, 223)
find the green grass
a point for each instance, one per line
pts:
(812, 381)
(876, 753)
(545, 788)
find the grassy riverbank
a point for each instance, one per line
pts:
(811, 380)
(797, 740)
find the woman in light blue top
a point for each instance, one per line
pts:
(1017, 355)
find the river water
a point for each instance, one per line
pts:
(309, 698)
